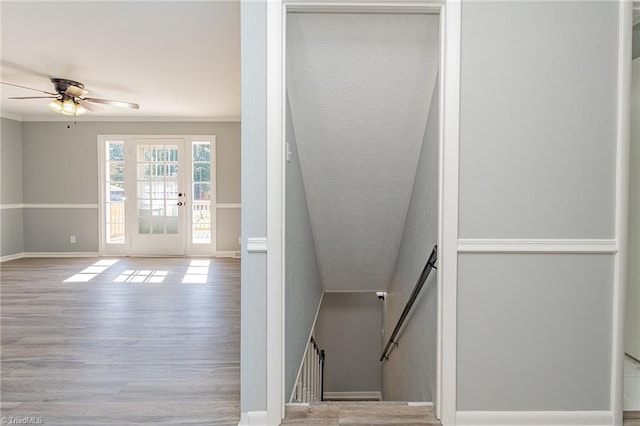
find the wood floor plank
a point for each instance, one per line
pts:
(141, 341)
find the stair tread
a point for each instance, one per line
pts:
(360, 413)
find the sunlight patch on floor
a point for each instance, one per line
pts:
(90, 272)
(197, 273)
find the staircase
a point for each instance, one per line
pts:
(359, 413)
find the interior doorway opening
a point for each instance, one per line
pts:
(363, 141)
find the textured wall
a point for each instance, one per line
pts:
(60, 167)
(11, 235)
(348, 329)
(410, 372)
(303, 287)
(632, 320)
(537, 160)
(360, 88)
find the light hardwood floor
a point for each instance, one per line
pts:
(122, 348)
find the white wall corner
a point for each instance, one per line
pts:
(253, 418)
(257, 245)
(534, 418)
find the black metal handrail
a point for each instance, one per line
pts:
(431, 264)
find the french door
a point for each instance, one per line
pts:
(158, 195)
(157, 198)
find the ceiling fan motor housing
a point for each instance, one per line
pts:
(62, 84)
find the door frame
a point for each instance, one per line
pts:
(190, 249)
(449, 104)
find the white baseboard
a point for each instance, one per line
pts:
(48, 254)
(376, 395)
(61, 254)
(534, 418)
(234, 254)
(9, 257)
(253, 418)
(420, 404)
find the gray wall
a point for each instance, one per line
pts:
(636, 41)
(632, 312)
(348, 329)
(303, 288)
(11, 234)
(537, 160)
(60, 167)
(535, 332)
(410, 372)
(547, 136)
(253, 370)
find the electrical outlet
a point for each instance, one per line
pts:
(72, 239)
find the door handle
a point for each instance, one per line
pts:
(180, 203)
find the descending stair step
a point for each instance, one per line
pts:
(359, 413)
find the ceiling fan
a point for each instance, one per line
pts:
(70, 98)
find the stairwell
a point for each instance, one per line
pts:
(359, 413)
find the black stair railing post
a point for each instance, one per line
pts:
(322, 376)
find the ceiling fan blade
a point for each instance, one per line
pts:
(114, 103)
(28, 88)
(75, 91)
(33, 97)
(89, 105)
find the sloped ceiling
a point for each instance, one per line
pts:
(359, 86)
(177, 59)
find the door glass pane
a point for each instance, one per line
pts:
(158, 188)
(201, 217)
(114, 192)
(144, 225)
(157, 225)
(144, 171)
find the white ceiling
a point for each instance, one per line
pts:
(180, 60)
(359, 88)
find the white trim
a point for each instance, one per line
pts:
(375, 395)
(61, 254)
(356, 291)
(534, 418)
(450, 15)
(257, 245)
(499, 245)
(11, 206)
(622, 205)
(448, 188)
(228, 206)
(275, 121)
(233, 254)
(369, 6)
(9, 257)
(253, 418)
(420, 404)
(48, 206)
(304, 355)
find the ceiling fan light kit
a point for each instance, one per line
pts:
(69, 98)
